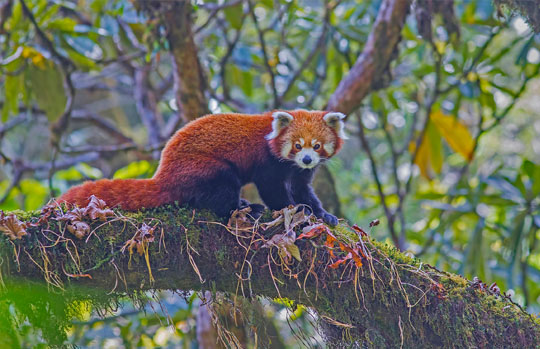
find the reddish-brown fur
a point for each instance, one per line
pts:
(202, 149)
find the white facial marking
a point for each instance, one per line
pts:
(302, 142)
(286, 149)
(281, 120)
(307, 153)
(313, 141)
(335, 121)
(329, 148)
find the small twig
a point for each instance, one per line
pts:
(214, 9)
(262, 42)
(223, 62)
(421, 137)
(102, 123)
(389, 215)
(319, 45)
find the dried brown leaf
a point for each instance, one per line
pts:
(283, 242)
(143, 236)
(97, 209)
(241, 218)
(78, 228)
(12, 226)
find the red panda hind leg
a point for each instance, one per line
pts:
(220, 194)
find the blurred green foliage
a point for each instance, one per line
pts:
(473, 190)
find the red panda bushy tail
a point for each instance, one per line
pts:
(129, 194)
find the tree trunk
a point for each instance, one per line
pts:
(381, 299)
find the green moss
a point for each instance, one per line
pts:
(394, 254)
(459, 316)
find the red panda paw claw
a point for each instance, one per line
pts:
(330, 219)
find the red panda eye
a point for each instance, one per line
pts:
(298, 146)
(317, 146)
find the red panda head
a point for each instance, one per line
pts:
(306, 137)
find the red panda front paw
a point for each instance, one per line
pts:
(329, 219)
(257, 210)
(244, 203)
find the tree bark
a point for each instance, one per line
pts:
(367, 73)
(389, 301)
(189, 83)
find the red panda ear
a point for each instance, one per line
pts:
(335, 121)
(281, 120)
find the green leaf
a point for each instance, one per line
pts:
(35, 194)
(98, 5)
(294, 251)
(78, 172)
(80, 60)
(16, 15)
(45, 12)
(521, 59)
(436, 148)
(532, 170)
(48, 89)
(474, 258)
(233, 15)
(13, 84)
(516, 235)
(267, 3)
(62, 24)
(138, 169)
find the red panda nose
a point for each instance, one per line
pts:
(307, 160)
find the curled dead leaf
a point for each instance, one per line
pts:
(97, 209)
(76, 224)
(374, 223)
(241, 218)
(12, 226)
(285, 245)
(143, 236)
(78, 228)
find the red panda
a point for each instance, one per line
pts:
(206, 163)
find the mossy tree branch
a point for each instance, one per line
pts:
(390, 300)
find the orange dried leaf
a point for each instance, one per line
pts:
(337, 263)
(312, 231)
(353, 253)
